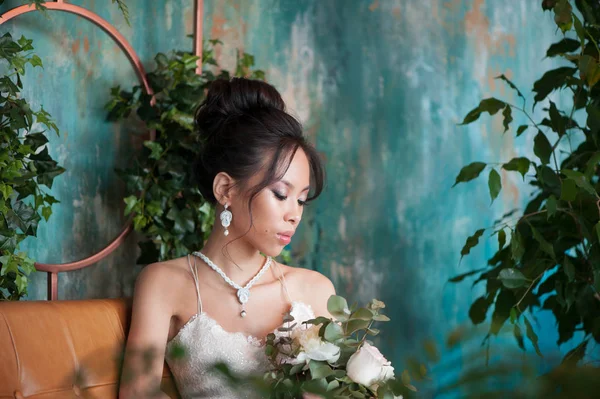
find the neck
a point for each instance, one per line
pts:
(239, 260)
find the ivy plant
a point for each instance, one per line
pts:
(165, 204)
(548, 255)
(25, 166)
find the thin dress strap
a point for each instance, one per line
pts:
(194, 271)
(281, 278)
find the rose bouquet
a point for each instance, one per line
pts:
(332, 357)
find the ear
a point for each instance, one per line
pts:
(223, 188)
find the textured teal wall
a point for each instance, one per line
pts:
(380, 87)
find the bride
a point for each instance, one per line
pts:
(220, 303)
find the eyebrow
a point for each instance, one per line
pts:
(291, 186)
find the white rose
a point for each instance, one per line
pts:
(313, 347)
(368, 366)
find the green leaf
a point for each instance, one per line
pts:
(461, 277)
(338, 307)
(597, 229)
(532, 336)
(593, 119)
(579, 30)
(591, 165)
(568, 190)
(521, 129)
(507, 117)
(580, 180)
(362, 314)
(544, 245)
(494, 184)
(469, 172)
(568, 268)
(381, 317)
(511, 84)
(513, 315)
(516, 245)
(46, 212)
(155, 147)
(501, 239)
(131, 202)
(563, 15)
(520, 164)
(551, 81)
(512, 278)
(319, 370)
(589, 70)
(471, 242)
(36, 61)
(333, 332)
(551, 206)
(558, 123)
(479, 308)
(566, 45)
(542, 148)
(490, 105)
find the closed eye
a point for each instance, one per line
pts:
(282, 197)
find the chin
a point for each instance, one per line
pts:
(273, 252)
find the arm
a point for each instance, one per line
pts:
(149, 329)
(321, 289)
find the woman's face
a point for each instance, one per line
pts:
(276, 210)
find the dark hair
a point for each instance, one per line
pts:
(244, 128)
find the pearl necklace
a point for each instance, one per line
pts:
(243, 293)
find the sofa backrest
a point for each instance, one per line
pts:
(64, 349)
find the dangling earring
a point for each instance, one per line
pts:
(226, 217)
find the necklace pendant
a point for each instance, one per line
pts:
(243, 295)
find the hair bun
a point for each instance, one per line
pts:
(240, 96)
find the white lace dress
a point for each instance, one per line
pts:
(205, 343)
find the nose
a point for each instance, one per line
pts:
(294, 219)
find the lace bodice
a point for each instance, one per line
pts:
(205, 343)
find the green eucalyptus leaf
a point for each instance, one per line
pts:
(338, 307)
(333, 332)
(362, 314)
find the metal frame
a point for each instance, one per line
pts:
(61, 5)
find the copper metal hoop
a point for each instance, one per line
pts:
(60, 5)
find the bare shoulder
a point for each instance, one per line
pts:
(157, 278)
(311, 287)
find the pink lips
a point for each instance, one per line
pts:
(285, 237)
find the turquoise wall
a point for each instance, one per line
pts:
(380, 87)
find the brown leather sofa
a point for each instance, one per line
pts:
(65, 349)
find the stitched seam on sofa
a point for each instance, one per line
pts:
(68, 339)
(12, 339)
(119, 327)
